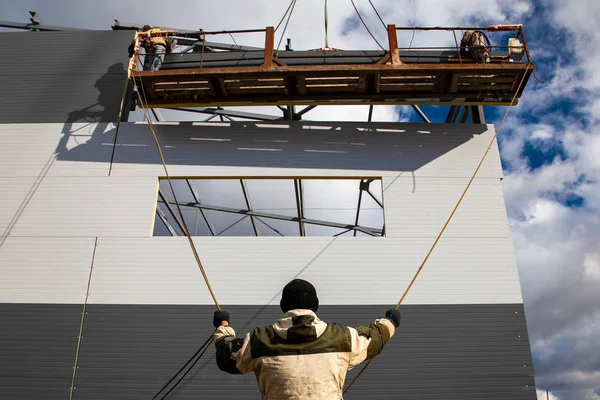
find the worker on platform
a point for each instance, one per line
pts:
(477, 45)
(155, 46)
(300, 356)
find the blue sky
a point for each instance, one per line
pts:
(550, 146)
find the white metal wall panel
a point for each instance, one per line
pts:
(162, 270)
(41, 150)
(424, 170)
(14, 196)
(306, 149)
(45, 270)
(418, 207)
(89, 206)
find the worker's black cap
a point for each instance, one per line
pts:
(299, 294)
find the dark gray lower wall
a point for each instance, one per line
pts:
(71, 76)
(37, 350)
(130, 351)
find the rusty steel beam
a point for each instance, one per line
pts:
(490, 28)
(192, 74)
(393, 100)
(350, 98)
(269, 47)
(393, 42)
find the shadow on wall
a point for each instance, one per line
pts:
(105, 110)
(301, 144)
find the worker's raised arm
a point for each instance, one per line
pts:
(368, 341)
(225, 342)
(233, 354)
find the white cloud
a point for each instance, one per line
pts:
(556, 244)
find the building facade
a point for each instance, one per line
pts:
(89, 296)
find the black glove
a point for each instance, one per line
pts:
(394, 316)
(219, 317)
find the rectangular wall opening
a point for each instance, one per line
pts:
(271, 207)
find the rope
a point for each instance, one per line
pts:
(326, 22)
(379, 16)
(286, 24)
(449, 218)
(286, 11)
(187, 232)
(239, 47)
(365, 25)
(535, 74)
(201, 350)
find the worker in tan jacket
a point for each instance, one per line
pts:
(300, 356)
(156, 45)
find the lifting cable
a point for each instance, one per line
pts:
(183, 223)
(200, 352)
(286, 12)
(492, 141)
(292, 5)
(378, 16)
(326, 23)
(365, 25)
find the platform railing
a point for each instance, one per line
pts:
(392, 56)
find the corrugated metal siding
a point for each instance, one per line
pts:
(446, 348)
(45, 270)
(37, 347)
(57, 76)
(41, 150)
(89, 206)
(474, 262)
(124, 206)
(280, 149)
(14, 195)
(418, 207)
(440, 352)
(162, 270)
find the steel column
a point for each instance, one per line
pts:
(247, 199)
(299, 206)
(171, 211)
(197, 200)
(420, 113)
(367, 230)
(477, 115)
(165, 221)
(452, 114)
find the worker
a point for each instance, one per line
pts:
(155, 46)
(300, 356)
(477, 45)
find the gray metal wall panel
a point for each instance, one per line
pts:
(275, 148)
(440, 352)
(37, 350)
(62, 76)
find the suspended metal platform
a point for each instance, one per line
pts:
(252, 77)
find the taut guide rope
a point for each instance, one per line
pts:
(447, 221)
